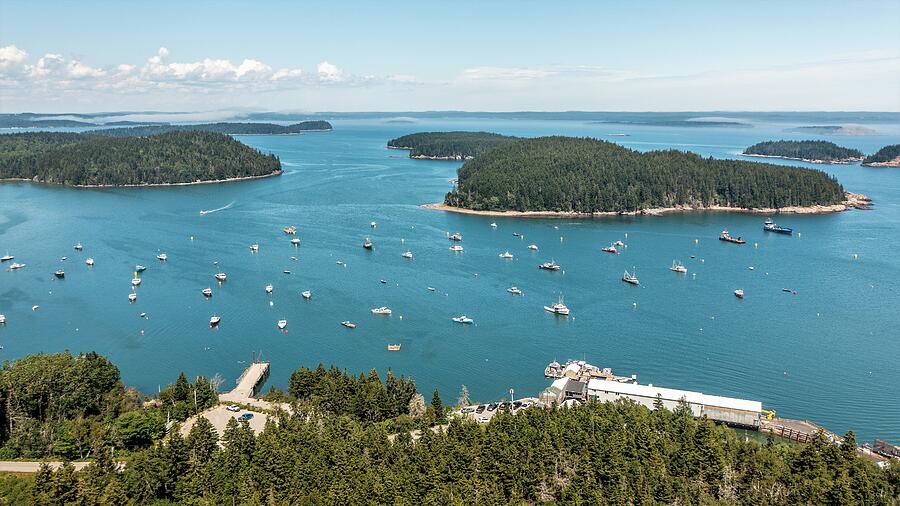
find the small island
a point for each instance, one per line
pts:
(805, 151)
(222, 128)
(888, 156)
(90, 160)
(848, 130)
(449, 145)
(583, 177)
(688, 123)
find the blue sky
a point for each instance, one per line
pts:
(487, 55)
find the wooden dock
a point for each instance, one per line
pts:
(250, 379)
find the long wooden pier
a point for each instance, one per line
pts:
(250, 379)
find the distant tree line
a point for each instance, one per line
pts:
(91, 159)
(806, 150)
(589, 175)
(885, 154)
(449, 144)
(222, 128)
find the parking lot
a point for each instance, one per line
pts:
(483, 413)
(219, 416)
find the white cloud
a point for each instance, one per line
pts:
(330, 73)
(11, 56)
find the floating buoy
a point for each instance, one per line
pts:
(696, 241)
(626, 235)
(856, 256)
(142, 331)
(756, 245)
(271, 303)
(401, 317)
(695, 275)
(634, 305)
(560, 238)
(702, 260)
(402, 241)
(192, 238)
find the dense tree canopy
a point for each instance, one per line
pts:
(453, 145)
(588, 175)
(885, 154)
(222, 128)
(89, 159)
(805, 150)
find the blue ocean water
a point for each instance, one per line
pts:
(828, 353)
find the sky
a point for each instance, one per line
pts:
(487, 55)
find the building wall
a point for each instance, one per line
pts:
(724, 415)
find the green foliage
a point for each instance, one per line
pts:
(91, 159)
(183, 398)
(140, 428)
(588, 175)
(885, 154)
(222, 128)
(455, 145)
(806, 150)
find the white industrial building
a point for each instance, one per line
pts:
(739, 412)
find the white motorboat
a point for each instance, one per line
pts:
(457, 248)
(269, 288)
(254, 247)
(60, 274)
(514, 290)
(381, 310)
(463, 319)
(136, 281)
(306, 294)
(550, 266)
(610, 249)
(2, 318)
(221, 276)
(558, 308)
(739, 293)
(348, 324)
(282, 324)
(137, 268)
(15, 266)
(506, 255)
(373, 224)
(6, 258)
(162, 257)
(493, 225)
(89, 262)
(619, 244)
(295, 241)
(455, 237)
(213, 321)
(79, 247)
(367, 243)
(678, 267)
(132, 297)
(533, 247)
(407, 254)
(207, 292)
(630, 277)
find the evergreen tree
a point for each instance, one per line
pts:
(438, 407)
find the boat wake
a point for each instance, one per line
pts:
(205, 212)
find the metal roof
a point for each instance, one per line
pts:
(674, 395)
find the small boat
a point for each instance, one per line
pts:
(368, 243)
(348, 324)
(282, 324)
(725, 236)
(373, 224)
(162, 257)
(407, 254)
(79, 247)
(381, 310)
(771, 226)
(393, 347)
(143, 315)
(306, 294)
(294, 258)
(514, 290)
(207, 292)
(751, 268)
(89, 262)
(506, 255)
(610, 249)
(63, 259)
(789, 290)
(214, 321)
(286, 271)
(463, 319)
(254, 247)
(631, 277)
(493, 225)
(455, 237)
(135, 281)
(457, 248)
(6, 258)
(15, 266)
(2, 319)
(550, 266)
(35, 307)
(295, 241)
(383, 281)
(431, 288)
(678, 267)
(340, 263)
(221, 276)
(558, 308)
(60, 274)
(139, 268)
(516, 234)
(739, 293)
(291, 230)
(533, 247)
(619, 244)
(132, 297)
(269, 288)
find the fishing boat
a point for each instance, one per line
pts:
(533, 247)
(393, 347)
(132, 297)
(455, 237)
(739, 293)
(630, 277)
(368, 243)
(60, 274)
(282, 324)
(407, 254)
(457, 248)
(493, 225)
(221, 276)
(290, 230)
(348, 324)
(725, 236)
(79, 247)
(254, 247)
(214, 321)
(6, 258)
(506, 255)
(139, 268)
(514, 290)
(207, 292)
(558, 308)
(162, 257)
(306, 294)
(550, 266)
(381, 310)
(89, 262)
(269, 288)
(771, 226)
(15, 266)
(678, 267)
(462, 319)
(610, 249)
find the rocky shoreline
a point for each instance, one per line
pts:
(843, 161)
(891, 163)
(851, 201)
(457, 158)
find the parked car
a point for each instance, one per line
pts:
(492, 406)
(483, 419)
(245, 417)
(480, 408)
(233, 408)
(468, 409)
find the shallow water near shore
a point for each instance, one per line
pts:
(827, 354)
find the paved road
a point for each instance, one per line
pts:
(15, 466)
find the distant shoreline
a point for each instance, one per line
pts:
(844, 161)
(851, 200)
(148, 185)
(427, 157)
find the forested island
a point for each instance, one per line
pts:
(222, 128)
(449, 145)
(97, 160)
(888, 156)
(583, 176)
(346, 440)
(690, 123)
(806, 151)
(833, 130)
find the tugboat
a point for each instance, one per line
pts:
(549, 266)
(678, 267)
(771, 226)
(60, 274)
(630, 278)
(725, 236)
(558, 308)
(367, 243)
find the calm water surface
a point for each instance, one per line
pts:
(828, 353)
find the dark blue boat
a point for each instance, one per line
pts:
(771, 226)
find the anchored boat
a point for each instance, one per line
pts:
(725, 236)
(771, 226)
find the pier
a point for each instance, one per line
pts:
(245, 391)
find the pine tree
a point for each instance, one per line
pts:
(438, 406)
